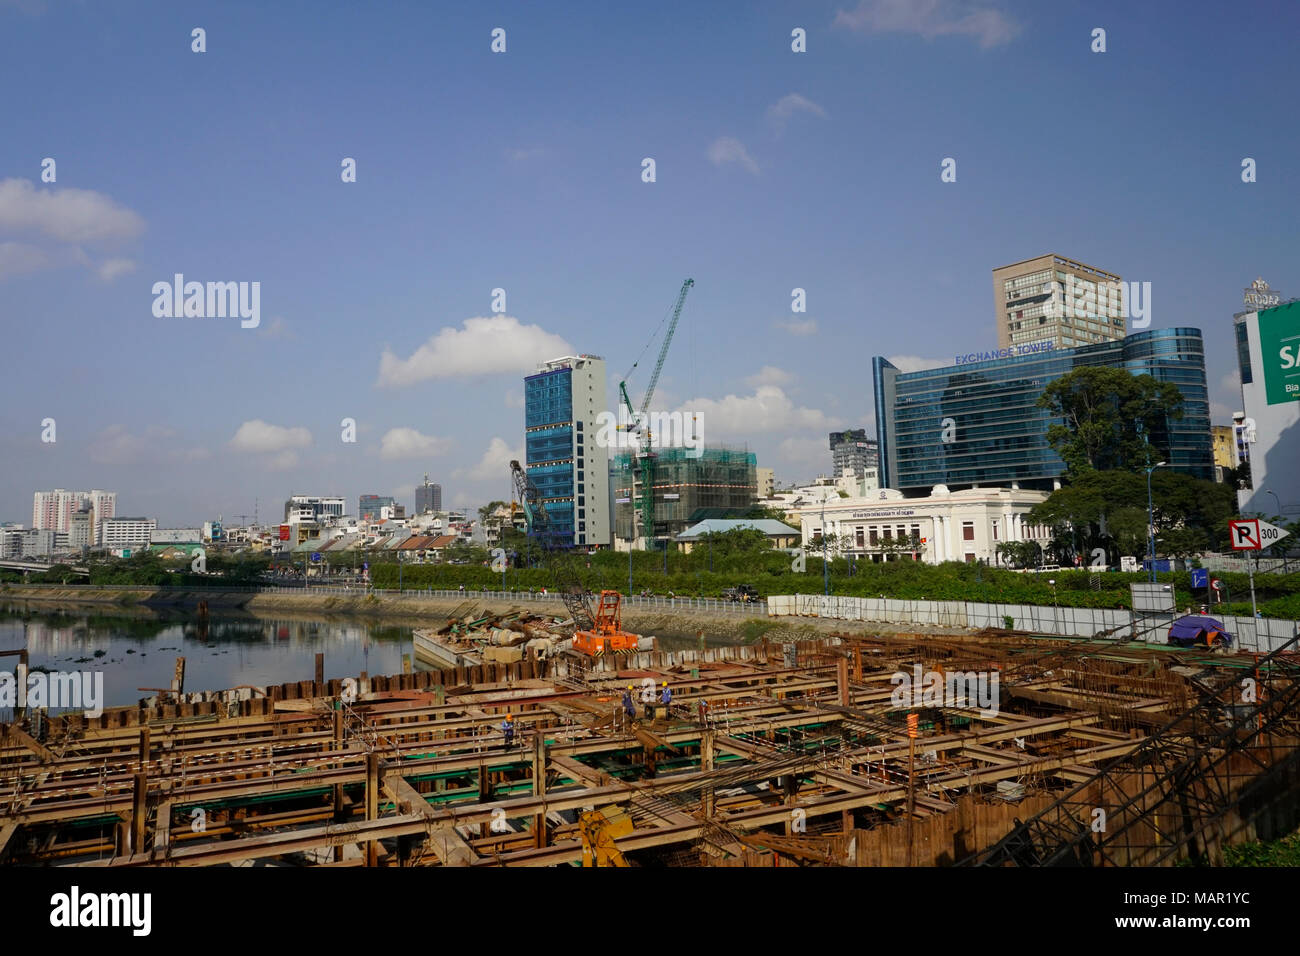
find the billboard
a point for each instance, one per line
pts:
(1279, 346)
(284, 532)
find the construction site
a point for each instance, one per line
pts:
(802, 754)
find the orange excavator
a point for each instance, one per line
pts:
(599, 630)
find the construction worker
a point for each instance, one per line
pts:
(666, 698)
(629, 708)
(508, 730)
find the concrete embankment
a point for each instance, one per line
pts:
(425, 611)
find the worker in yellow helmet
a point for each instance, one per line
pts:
(666, 697)
(629, 708)
(508, 730)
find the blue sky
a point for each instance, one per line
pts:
(522, 171)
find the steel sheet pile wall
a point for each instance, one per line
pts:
(1251, 634)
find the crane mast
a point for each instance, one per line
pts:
(558, 558)
(645, 463)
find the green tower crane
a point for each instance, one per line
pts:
(645, 462)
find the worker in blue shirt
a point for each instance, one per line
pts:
(666, 697)
(508, 730)
(629, 708)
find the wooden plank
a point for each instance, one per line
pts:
(31, 743)
(449, 846)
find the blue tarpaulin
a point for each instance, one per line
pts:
(1196, 629)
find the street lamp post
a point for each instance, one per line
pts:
(1151, 527)
(826, 570)
(1052, 582)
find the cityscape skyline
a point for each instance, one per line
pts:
(776, 172)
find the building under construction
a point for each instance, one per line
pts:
(690, 485)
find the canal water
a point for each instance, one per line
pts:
(136, 649)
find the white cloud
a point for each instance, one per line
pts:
(930, 19)
(277, 328)
(283, 461)
(117, 445)
(781, 111)
(799, 326)
(71, 215)
(260, 437)
(523, 155)
(497, 344)
(400, 443)
(769, 375)
(726, 149)
(1220, 414)
(768, 410)
(110, 269)
(494, 466)
(812, 456)
(915, 363)
(17, 258)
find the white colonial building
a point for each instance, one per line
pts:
(950, 525)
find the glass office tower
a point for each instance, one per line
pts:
(570, 469)
(978, 423)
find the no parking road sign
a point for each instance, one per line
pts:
(1245, 534)
(1252, 534)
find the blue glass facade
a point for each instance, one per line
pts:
(995, 433)
(549, 443)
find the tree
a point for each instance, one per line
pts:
(1108, 509)
(1103, 411)
(733, 541)
(1238, 478)
(486, 510)
(1182, 542)
(762, 512)
(835, 544)
(897, 546)
(1020, 554)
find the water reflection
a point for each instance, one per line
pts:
(137, 648)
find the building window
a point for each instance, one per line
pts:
(871, 536)
(581, 513)
(970, 558)
(861, 536)
(968, 530)
(995, 530)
